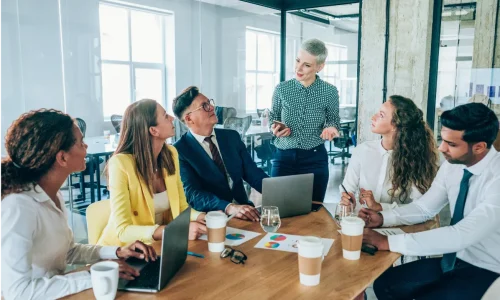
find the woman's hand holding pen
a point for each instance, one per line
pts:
(348, 199)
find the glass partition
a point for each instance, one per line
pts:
(462, 75)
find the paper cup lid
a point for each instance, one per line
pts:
(349, 221)
(310, 241)
(215, 215)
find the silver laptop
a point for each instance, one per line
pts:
(156, 274)
(291, 194)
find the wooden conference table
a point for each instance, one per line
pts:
(269, 274)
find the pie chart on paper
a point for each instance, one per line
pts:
(278, 237)
(271, 245)
(235, 236)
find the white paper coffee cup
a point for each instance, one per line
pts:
(352, 237)
(104, 276)
(216, 227)
(310, 259)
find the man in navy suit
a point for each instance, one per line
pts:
(214, 162)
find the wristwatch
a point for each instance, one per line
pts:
(381, 216)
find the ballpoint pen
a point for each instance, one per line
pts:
(350, 198)
(196, 254)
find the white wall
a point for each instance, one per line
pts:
(31, 61)
(32, 56)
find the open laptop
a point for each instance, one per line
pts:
(156, 274)
(291, 194)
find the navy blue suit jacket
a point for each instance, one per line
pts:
(205, 186)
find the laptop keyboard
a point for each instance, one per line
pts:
(149, 276)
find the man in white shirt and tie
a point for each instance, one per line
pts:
(470, 182)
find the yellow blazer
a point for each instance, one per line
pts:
(132, 207)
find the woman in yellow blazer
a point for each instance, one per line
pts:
(144, 180)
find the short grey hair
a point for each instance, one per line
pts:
(317, 48)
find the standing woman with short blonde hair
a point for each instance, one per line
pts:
(309, 109)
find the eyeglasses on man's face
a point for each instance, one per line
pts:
(207, 106)
(236, 256)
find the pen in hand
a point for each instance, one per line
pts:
(350, 198)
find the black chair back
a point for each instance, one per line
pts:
(241, 125)
(116, 121)
(223, 113)
(82, 125)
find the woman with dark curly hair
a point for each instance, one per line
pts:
(401, 166)
(44, 147)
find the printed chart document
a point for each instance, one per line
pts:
(235, 236)
(287, 242)
(389, 231)
(386, 231)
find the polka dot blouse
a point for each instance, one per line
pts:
(306, 110)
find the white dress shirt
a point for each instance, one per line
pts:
(205, 145)
(369, 168)
(37, 244)
(161, 205)
(476, 238)
(493, 292)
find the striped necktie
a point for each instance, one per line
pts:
(216, 155)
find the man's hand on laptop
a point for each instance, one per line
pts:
(196, 229)
(138, 250)
(244, 212)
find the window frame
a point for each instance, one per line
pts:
(133, 65)
(276, 68)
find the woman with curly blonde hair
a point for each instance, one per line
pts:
(401, 166)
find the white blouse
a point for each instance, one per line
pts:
(369, 168)
(37, 244)
(161, 205)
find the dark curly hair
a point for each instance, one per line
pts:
(32, 142)
(415, 157)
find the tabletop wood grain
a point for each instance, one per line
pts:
(271, 274)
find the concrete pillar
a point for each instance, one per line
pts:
(484, 35)
(410, 38)
(408, 57)
(371, 66)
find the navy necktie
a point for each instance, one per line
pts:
(448, 260)
(216, 155)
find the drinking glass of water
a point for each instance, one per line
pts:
(343, 211)
(270, 219)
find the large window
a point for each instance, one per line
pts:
(133, 56)
(262, 68)
(335, 72)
